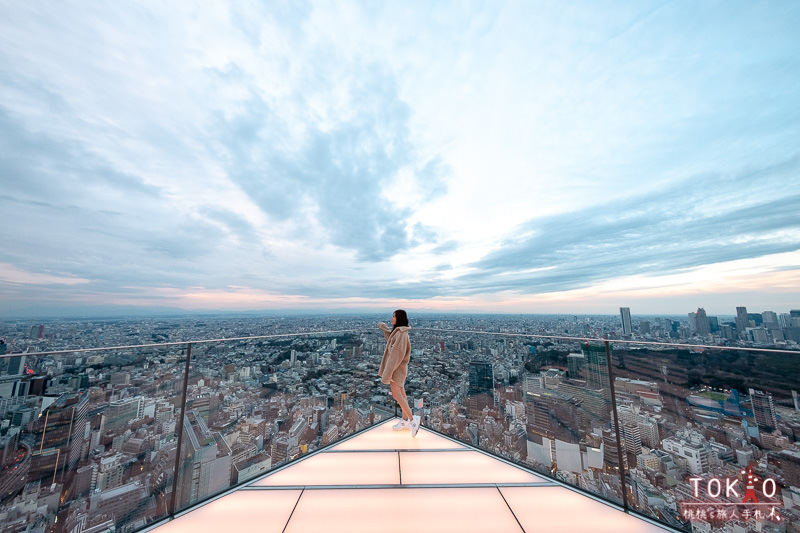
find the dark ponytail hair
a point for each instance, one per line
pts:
(400, 318)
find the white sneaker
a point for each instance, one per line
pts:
(403, 424)
(415, 425)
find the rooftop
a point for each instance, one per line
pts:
(386, 480)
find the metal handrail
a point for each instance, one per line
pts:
(176, 343)
(616, 341)
(445, 330)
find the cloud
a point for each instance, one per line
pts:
(656, 233)
(11, 274)
(335, 169)
(72, 211)
(62, 171)
(370, 152)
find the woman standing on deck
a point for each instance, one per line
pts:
(394, 367)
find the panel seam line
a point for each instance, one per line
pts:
(510, 509)
(293, 509)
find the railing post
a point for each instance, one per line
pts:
(620, 450)
(178, 454)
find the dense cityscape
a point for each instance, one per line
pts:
(89, 439)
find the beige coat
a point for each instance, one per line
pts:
(394, 365)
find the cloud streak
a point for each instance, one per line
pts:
(665, 231)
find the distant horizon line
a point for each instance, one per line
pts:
(128, 314)
(110, 312)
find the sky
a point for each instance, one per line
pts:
(520, 157)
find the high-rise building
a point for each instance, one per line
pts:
(763, 410)
(596, 368)
(692, 323)
(726, 331)
(16, 365)
(575, 362)
(759, 335)
(61, 434)
(120, 412)
(625, 318)
(742, 322)
(632, 436)
(481, 378)
(206, 461)
(769, 319)
(110, 471)
(611, 453)
(540, 417)
(703, 328)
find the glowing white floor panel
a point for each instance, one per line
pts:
(358, 486)
(356, 468)
(461, 510)
(556, 509)
(241, 511)
(459, 467)
(382, 437)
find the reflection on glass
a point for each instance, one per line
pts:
(543, 405)
(256, 405)
(717, 414)
(680, 423)
(88, 440)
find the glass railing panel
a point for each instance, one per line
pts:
(88, 439)
(699, 423)
(544, 404)
(254, 405)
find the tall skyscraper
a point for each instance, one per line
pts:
(763, 410)
(16, 365)
(692, 323)
(596, 366)
(770, 319)
(206, 461)
(625, 317)
(481, 378)
(540, 420)
(575, 363)
(611, 453)
(63, 429)
(701, 318)
(596, 369)
(742, 322)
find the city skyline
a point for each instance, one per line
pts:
(501, 158)
(129, 436)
